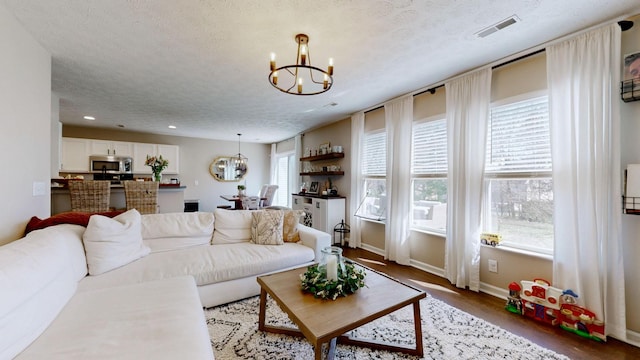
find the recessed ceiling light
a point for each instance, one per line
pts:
(172, 127)
(89, 118)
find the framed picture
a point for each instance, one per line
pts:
(325, 148)
(313, 189)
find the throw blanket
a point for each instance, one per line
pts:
(76, 218)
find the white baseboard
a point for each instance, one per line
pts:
(427, 268)
(374, 250)
(633, 338)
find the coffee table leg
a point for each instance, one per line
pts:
(263, 309)
(331, 351)
(417, 321)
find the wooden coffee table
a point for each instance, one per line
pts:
(327, 321)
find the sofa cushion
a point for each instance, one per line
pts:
(155, 320)
(231, 226)
(162, 232)
(111, 243)
(290, 225)
(266, 227)
(207, 264)
(39, 275)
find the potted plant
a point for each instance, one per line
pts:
(241, 189)
(157, 164)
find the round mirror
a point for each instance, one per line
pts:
(228, 168)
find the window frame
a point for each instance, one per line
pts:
(291, 177)
(426, 176)
(513, 175)
(372, 177)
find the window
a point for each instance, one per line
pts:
(374, 170)
(284, 178)
(519, 204)
(429, 176)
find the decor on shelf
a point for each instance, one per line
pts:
(299, 79)
(157, 164)
(332, 277)
(241, 190)
(313, 189)
(240, 162)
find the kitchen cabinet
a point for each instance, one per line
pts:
(108, 147)
(169, 152)
(74, 156)
(321, 213)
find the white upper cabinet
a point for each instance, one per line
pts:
(108, 147)
(74, 155)
(169, 152)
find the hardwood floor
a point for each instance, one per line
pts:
(491, 308)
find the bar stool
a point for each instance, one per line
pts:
(90, 195)
(142, 196)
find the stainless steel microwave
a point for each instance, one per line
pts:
(111, 164)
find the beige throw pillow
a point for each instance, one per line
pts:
(290, 225)
(266, 227)
(111, 243)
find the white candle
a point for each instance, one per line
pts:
(332, 268)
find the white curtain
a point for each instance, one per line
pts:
(583, 76)
(296, 165)
(468, 101)
(273, 169)
(398, 121)
(357, 193)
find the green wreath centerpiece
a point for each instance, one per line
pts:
(314, 281)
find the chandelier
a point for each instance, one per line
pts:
(240, 161)
(301, 78)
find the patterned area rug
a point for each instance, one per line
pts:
(448, 333)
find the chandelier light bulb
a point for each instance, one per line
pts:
(274, 78)
(325, 83)
(300, 86)
(273, 61)
(303, 54)
(330, 68)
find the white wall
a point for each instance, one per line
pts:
(630, 154)
(25, 113)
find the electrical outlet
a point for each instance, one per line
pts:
(493, 265)
(195, 183)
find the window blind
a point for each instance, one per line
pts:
(518, 137)
(374, 162)
(429, 151)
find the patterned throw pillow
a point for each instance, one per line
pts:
(266, 227)
(291, 220)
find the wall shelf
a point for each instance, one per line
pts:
(318, 173)
(630, 205)
(630, 90)
(328, 156)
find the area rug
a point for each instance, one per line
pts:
(448, 333)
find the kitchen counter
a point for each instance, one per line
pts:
(170, 198)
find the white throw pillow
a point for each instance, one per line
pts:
(231, 226)
(113, 242)
(266, 227)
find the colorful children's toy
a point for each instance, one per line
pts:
(543, 302)
(490, 239)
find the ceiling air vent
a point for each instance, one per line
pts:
(499, 26)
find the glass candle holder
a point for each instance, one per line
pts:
(331, 263)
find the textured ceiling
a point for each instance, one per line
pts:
(202, 65)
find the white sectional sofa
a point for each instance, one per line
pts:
(133, 287)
